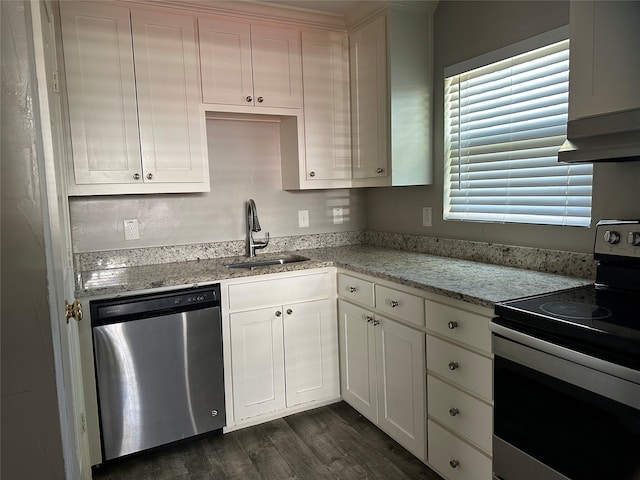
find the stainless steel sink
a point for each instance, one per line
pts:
(267, 262)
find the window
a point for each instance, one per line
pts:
(504, 123)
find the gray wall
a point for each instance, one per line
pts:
(463, 30)
(31, 443)
(244, 162)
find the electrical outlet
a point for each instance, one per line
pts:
(426, 216)
(337, 215)
(303, 218)
(131, 229)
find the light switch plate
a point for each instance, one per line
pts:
(303, 218)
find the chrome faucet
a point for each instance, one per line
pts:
(253, 225)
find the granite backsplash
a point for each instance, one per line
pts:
(580, 265)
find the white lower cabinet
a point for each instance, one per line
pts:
(460, 389)
(455, 459)
(383, 373)
(283, 357)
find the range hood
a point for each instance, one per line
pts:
(613, 137)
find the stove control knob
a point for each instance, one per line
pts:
(633, 238)
(611, 237)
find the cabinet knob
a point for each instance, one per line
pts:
(453, 463)
(453, 365)
(278, 313)
(260, 99)
(353, 289)
(149, 176)
(289, 311)
(379, 170)
(136, 176)
(452, 325)
(393, 304)
(249, 99)
(312, 174)
(368, 319)
(453, 411)
(376, 322)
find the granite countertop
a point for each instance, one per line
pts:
(474, 282)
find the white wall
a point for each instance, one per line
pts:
(31, 438)
(244, 159)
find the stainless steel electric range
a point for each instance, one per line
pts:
(567, 373)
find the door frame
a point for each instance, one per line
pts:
(52, 149)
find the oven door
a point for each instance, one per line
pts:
(556, 418)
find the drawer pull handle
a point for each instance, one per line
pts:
(278, 313)
(453, 463)
(393, 304)
(368, 319)
(353, 289)
(453, 411)
(452, 325)
(453, 365)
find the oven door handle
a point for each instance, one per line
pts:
(563, 364)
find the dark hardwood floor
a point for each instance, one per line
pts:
(332, 442)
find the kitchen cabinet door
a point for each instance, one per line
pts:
(101, 93)
(400, 353)
(277, 68)
(225, 62)
(171, 124)
(358, 359)
(605, 69)
(257, 356)
(326, 109)
(310, 352)
(370, 112)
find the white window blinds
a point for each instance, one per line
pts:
(504, 124)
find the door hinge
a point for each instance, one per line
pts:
(83, 423)
(56, 82)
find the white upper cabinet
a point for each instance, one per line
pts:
(326, 159)
(102, 92)
(370, 114)
(134, 111)
(605, 66)
(168, 101)
(391, 92)
(249, 65)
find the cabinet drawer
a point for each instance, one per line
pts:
(400, 304)
(460, 412)
(454, 458)
(460, 325)
(356, 289)
(460, 366)
(278, 291)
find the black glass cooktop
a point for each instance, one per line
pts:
(593, 319)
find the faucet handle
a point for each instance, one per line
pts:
(262, 243)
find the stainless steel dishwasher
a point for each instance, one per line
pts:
(159, 368)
